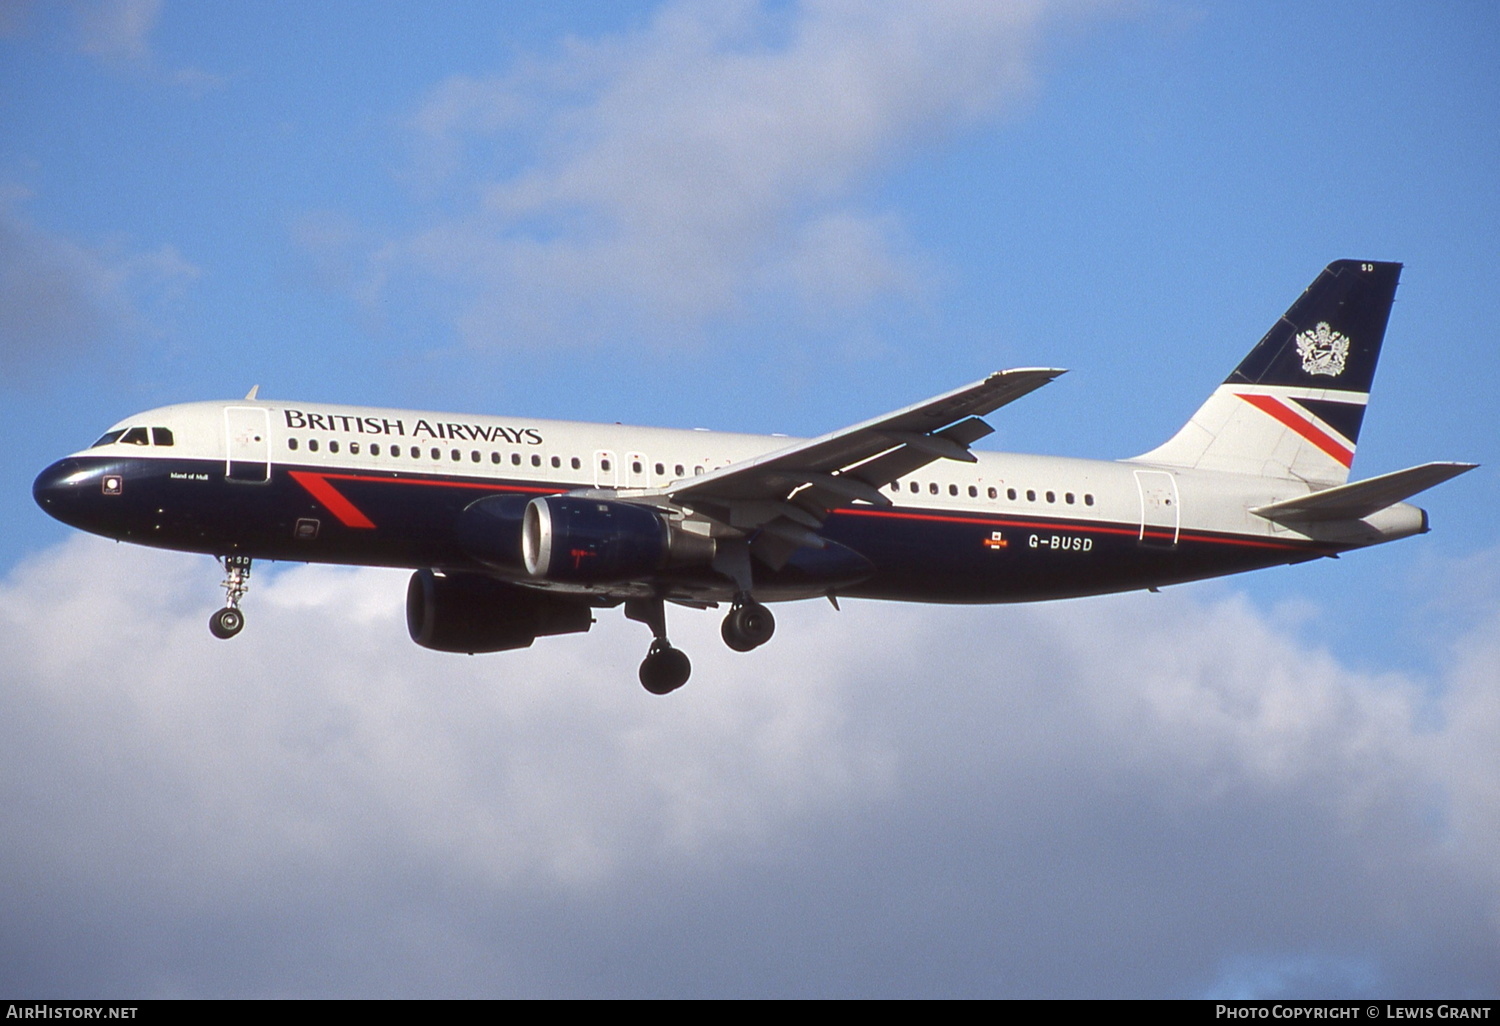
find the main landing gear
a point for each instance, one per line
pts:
(665, 669)
(748, 625)
(229, 621)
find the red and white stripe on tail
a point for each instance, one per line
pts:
(1294, 405)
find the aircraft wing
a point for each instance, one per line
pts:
(789, 492)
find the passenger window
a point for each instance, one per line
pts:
(374, 448)
(536, 461)
(1010, 493)
(994, 494)
(135, 436)
(604, 466)
(161, 436)
(697, 471)
(914, 487)
(973, 492)
(494, 457)
(1068, 498)
(312, 445)
(333, 446)
(661, 471)
(474, 455)
(556, 462)
(416, 452)
(436, 453)
(1051, 497)
(678, 470)
(515, 459)
(1030, 495)
(291, 443)
(354, 448)
(1088, 500)
(635, 466)
(455, 455)
(575, 463)
(933, 488)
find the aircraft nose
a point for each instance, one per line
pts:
(50, 486)
(63, 489)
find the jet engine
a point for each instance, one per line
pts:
(592, 541)
(474, 613)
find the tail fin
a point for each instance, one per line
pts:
(1293, 406)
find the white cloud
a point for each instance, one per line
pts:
(1150, 795)
(116, 29)
(117, 34)
(673, 175)
(59, 298)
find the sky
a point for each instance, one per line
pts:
(770, 217)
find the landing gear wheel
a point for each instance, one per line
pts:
(226, 623)
(229, 621)
(665, 669)
(749, 625)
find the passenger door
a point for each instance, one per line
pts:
(248, 452)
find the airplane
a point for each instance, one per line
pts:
(519, 528)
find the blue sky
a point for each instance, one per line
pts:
(764, 217)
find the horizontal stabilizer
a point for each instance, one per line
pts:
(1361, 498)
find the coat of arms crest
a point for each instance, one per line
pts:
(1323, 350)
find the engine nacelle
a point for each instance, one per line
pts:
(593, 541)
(473, 613)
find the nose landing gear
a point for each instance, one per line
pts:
(229, 621)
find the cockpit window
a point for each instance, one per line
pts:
(161, 436)
(135, 436)
(109, 438)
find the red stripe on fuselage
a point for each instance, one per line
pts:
(1300, 424)
(437, 483)
(316, 485)
(350, 515)
(1068, 525)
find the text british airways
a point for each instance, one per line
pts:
(387, 426)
